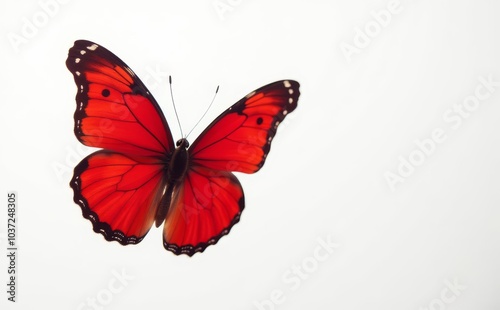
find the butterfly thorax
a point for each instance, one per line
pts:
(178, 165)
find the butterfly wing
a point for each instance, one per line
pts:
(210, 200)
(119, 188)
(115, 110)
(205, 207)
(240, 138)
(119, 194)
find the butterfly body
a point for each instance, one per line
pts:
(179, 162)
(178, 165)
(141, 177)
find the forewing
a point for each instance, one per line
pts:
(115, 110)
(240, 138)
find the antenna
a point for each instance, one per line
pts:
(173, 103)
(213, 99)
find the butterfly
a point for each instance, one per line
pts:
(140, 177)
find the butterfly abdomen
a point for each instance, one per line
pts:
(164, 205)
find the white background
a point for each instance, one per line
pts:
(325, 178)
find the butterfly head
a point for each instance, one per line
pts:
(182, 143)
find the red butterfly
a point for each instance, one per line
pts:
(140, 177)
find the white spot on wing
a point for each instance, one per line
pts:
(287, 84)
(250, 95)
(93, 47)
(130, 71)
(77, 60)
(83, 52)
(77, 73)
(290, 91)
(290, 100)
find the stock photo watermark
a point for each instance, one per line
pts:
(363, 36)
(454, 117)
(293, 277)
(154, 77)
(12, 246)
(64, 169)
(449, 294)
(105, 296)
(222, 7)
(31, 26)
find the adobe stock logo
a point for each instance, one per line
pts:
(31, 26)
(298, 273)
(105, 296)
(154, 77)
(448, 295)
(224, 6)
(455, 117)
(74, 154)
(363, 36)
